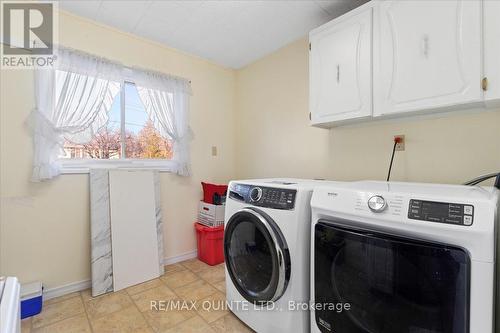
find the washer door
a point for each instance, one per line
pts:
(257, 257)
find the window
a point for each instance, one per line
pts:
(128, 134)
(92, 112)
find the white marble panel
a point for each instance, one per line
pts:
(100, 230)
(100, 225)
(159, 223)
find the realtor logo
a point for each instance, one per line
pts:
(28, 30)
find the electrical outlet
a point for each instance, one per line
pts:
(214, 150)
(401, 145)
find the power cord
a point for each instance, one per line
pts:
(396, 141)
(471, 182)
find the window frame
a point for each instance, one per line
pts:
(83, 166)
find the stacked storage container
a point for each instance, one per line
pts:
(210, 225)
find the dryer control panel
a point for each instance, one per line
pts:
(268, 197)
(441, 212)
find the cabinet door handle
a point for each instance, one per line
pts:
(338, 73)
(425, 45)
(484, 83)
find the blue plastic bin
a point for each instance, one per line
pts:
(31, 299)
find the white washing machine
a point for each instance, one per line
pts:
(403, 258)
(266, 248)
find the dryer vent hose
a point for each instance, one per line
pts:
(482, 178)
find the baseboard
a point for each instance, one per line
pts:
(85, 284)
(66, 289)
(180, 257)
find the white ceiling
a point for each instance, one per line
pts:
(230, 33)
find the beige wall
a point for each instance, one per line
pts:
(44, 231)
(258, 119)
(449, 149)
(274, 138)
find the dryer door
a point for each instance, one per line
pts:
(392, 284)
(257, 256)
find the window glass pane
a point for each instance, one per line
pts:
(106, 143)
(142, 139)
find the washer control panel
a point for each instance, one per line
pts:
(441, 212)
(268, 197)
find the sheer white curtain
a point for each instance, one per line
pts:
(166, 100)
(74, 98)
(72, 102)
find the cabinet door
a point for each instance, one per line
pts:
(427, 55)
(492, 52)
(340, 69)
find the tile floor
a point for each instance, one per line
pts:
(129, 310)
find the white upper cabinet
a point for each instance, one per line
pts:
(427, 55)
(340, 69)
(492, 52)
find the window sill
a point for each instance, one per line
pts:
(83, 167)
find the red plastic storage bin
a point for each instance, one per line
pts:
(210, 244)
(210, 189)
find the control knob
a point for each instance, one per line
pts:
(377, 204)
(255, 194)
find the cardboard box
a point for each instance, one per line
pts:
(211, 215)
